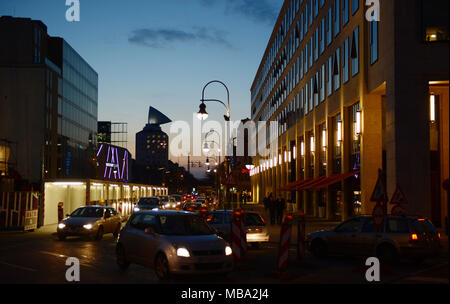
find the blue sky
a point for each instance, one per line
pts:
(162, 53)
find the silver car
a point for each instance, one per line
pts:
(90, 221)
(409, 237)
(172, 242)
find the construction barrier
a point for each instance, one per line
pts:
(236, 235)
(285, 241)
(14, 207)
(300, 235)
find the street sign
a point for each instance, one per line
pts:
(379, 194)
(398, 210)
(30, 220)
(378, 216)
(398, 197)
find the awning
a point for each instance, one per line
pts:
(309, 183)
(289, 186)
(332, 179)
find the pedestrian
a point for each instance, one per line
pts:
(272, 210)
(266, 203)
(281, 205)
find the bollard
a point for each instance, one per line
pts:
(285, 240)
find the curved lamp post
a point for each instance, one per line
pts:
(202, 114)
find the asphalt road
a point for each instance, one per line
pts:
(39, 257)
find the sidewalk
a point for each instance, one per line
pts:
(311, 225)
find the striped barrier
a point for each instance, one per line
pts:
(285, 241)
(236, 236)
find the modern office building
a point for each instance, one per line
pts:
(114, 133)
(49, 102)
(352, 96)
(152, 144)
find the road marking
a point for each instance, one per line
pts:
(64, 256)
(17, 266)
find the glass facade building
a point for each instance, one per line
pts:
(78, 107)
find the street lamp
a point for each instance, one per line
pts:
(202, 114)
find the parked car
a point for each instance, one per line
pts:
(90, 221)
(409, 237)
(257, 232)
(172, 242)
(148, 203)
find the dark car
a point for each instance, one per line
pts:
(409, 237)
(257, 232)
(149, 203)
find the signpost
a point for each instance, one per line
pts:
(398, 199)
(379, 195)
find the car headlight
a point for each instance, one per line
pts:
(183, 252)
(228, 250)
(61, 225)
(136, 209)
(167, 205)
(87, 226)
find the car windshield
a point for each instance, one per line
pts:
(184, 225)
(88, 212)
(148, 202)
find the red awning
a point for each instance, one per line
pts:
(334, 179)
(289, 186)
(310, 183)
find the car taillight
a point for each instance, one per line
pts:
(414, 237)
(439, 235)
(262, 219)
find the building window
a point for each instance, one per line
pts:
(337, 143)
(337, 18)
(373, 40)
(329, 77)
(355, 6)
(316, 89)
(345, 57)
(345, 10)
(337, 70)
(329, 27)
(322, 83)
(322, 35)
(435, 20)
(316, 44)
(354, 51)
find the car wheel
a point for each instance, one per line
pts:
(319, 249)
(100, 232)
(162, 267)
(61, 237)
(121, 258)
(387, 254)
(117, 231)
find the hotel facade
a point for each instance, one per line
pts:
(353, 96)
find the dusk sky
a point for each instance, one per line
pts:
(162, 53)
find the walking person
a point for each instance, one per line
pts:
(281, 205)
(272, 210)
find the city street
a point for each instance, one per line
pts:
(39, 257)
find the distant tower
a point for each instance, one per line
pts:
(152, 144)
